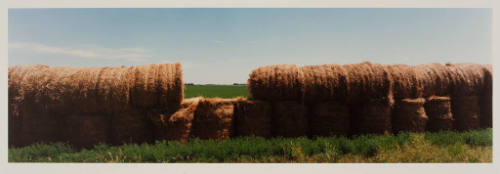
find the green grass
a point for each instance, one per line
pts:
(223, 91)
(471, 146)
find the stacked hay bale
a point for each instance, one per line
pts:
(179, 125)
(487, 98)
(63, 104)
(370, 98)
(438, 110)
(213, 118)
(282, 86)
(467, 86)
(409, 115)
(325, 92)
(252, 118)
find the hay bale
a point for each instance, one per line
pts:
(438, 109)
(86, 130)
(487, 98)
(178, 126)
(276, 82)
(466, 111)
(409, 115)
(371, 117)
(289, 119)
(38, 127)
(467, 79)
(434, 79)
(252, 118)
(329, 119)
(213, 119)
(82, 90)
(324, 83)
(130, 126)
(368, 81)
(405, 81)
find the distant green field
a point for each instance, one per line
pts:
(223, 91)
(470, 146)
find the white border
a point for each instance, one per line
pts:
(243, 168)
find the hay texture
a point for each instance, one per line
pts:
(213, 119)
(178, 126)
(372, 117)
(487, 98)
(406, 83)
(368, 81)
(434, 79)
(324, 83)
(409, 115)
(467, 79)
(329, 119)
(86, 130)
(130, 126)
(252, 118)
(438, 109)
(276, 83)
(289, 119)
(466, 111)
(37, 127)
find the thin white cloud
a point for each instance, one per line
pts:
(218, 41)
(130, 54)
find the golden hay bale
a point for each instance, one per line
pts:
(113, 88)
(82, 91)
(371, 117)
(467, 79)
(409, 115)
(130, 126)
(289, 119)
(178, 126)
(276, 82)
(434, 78)
(171, 89)
(329, 119)
(466, 112)
(213, 119)
(438, 109)
(487, 98)
(86, 130)
(252, 118)
(324, 83)
(405, 81)
(368, 81)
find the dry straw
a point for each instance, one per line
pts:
(324, 83)
(405, 81)
(213, 118)
(86, 130)
(487, 98)
(180, 123)
(329, 119)
(252, 118)
(372, 117)
(130, 126)
(276, 82)
(434, 78)
(438, 109)
(368, 81)
(466, 112)
(409, 115)
(467, 79)
(289, 119)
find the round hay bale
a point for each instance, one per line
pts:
(368, 81)
(409, 115)
(371, 117)
(467, 79)
(324, 83)
(38, 127)
(434, 79)
(329, 119)
(130, 126)
(179, 124)
(276, 83)
(466, 112)
(252, 118)
(487, 98)
(86, 130)
(171, 86)
(438, 109)
(289, 119)
(405, 81)
(82, 94)
(113, 88)
(213, 119)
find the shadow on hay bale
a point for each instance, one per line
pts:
(213, 119)
(178, 126)
(487, 98)
(371, 117)
(130, 126)
(86, 130)
(329, 119)
(438, 109)
(409, 115)
(252, 118)
(466, 112)
(289, 119)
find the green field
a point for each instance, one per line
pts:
(223, 91)
(471, 146)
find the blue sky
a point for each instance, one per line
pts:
(224, 45)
